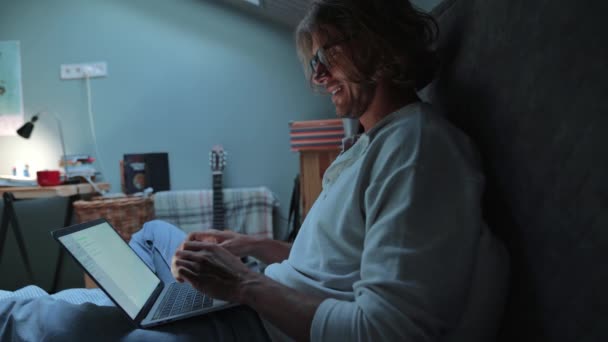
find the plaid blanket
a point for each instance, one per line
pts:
(248, 210)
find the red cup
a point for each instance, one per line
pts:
(48, 178)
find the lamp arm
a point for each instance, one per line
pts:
(65, 160)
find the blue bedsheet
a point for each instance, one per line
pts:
(48, 318)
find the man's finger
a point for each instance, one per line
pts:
(198, 246)
(191, 265)
(187, 275)
(188, 255)
(200, 257)
(208, 236)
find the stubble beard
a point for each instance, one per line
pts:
(360, 100)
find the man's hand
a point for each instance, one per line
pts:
(214, 270)
(266, 250)
(211, 269)
(238, 244)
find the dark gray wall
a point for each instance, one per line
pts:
(526, 80)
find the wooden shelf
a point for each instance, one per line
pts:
(312, 167)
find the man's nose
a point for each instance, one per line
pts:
(320, 75)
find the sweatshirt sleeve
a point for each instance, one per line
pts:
(422, 226)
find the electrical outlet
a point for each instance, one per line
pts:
(76, 71)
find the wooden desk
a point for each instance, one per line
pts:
(11, 194)
(52, 191)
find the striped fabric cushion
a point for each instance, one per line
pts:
(247, 210)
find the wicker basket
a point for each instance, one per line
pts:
(126, 214)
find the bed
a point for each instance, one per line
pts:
(30, 314)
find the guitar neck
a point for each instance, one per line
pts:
(218, 202)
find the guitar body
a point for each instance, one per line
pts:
(217, 161)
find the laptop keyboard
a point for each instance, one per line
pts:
(180, 298)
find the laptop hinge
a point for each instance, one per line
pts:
(149, 303)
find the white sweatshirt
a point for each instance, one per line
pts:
(392, 240)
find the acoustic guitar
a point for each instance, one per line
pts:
(217, 161)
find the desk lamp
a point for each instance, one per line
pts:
(26, 130)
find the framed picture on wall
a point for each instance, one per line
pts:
(143, 170)
(11, 92)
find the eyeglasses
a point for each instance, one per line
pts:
(320, 57)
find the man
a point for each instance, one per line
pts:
(390, 250)
(394, 248)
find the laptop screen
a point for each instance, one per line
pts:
(115, 266)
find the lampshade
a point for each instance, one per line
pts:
(25, 131)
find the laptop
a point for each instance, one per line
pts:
(128, 281)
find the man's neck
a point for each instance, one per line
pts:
(387, 99)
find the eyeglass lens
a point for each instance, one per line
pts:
(318, 58)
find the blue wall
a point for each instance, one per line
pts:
(183, 75)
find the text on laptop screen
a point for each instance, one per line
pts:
(114, 265)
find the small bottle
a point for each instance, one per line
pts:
(26, 171)
(14, 170)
